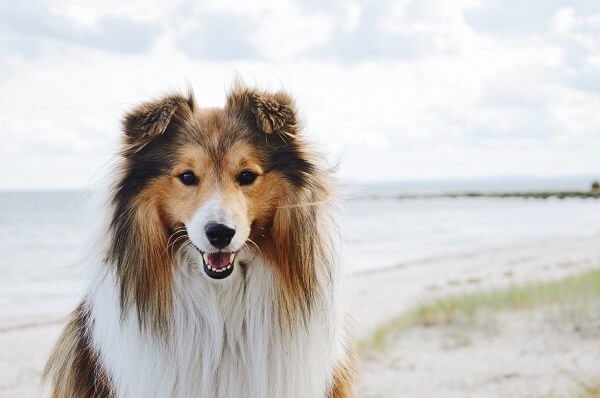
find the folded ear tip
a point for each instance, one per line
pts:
(152, 119)
(272, 112)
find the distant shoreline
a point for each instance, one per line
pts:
(497, 195)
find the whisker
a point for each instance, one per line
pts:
(245, 245)
(177, 231)
(175, 242)
(177, 235)
(308, 204)
(255, 245)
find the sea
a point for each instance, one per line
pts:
(42, 233)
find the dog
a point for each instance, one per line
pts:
(216, 271)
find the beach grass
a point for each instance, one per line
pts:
(593, 392)
(577, 295)
(586, 392)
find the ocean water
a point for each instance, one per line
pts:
(41, 235)
(387, 232)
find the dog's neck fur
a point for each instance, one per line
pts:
(227, 338)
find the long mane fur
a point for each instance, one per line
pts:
(144, 254)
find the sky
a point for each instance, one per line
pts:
(388, 90)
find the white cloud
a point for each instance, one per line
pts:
(87, 12)
(401, 89)
(352, 15)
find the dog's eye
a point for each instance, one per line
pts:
(246, 177)
(188, 178)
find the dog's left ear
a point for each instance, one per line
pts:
(152, 119)
(270, 113)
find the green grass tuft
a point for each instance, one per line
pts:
(576, 292)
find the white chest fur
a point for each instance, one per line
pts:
(227, 340)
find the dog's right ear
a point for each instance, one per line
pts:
(152, 119)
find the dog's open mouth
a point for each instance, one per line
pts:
(218, 265)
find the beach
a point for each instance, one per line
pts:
(424, 250)
(529, 353)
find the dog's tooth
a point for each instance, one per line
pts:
(231, 258)
(205, 256)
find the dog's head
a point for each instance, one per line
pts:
(216, 179)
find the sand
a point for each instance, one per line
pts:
(528, 354)
(376, 296)
(23, 356)
(419, 364)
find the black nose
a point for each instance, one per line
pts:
(218, 235)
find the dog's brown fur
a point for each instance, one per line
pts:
(283, 211)
(255, 131)
(344, 375)
(73, 364)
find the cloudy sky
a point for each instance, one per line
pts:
(389, 89)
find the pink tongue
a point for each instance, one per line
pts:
(219, 260)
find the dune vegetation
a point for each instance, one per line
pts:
(576, 295)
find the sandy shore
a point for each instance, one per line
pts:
(529, 354)
(375, 297)
(524, 354)
(23, 356)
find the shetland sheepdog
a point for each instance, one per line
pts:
(216, 272)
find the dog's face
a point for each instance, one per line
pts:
(212, 178)
(220, 190)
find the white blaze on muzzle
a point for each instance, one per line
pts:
(217, 235)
